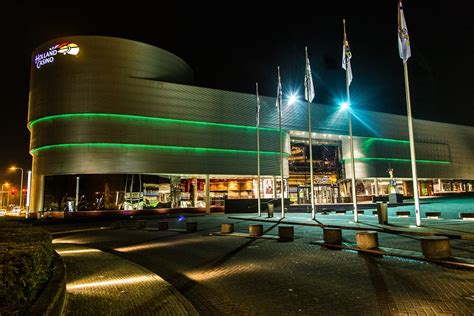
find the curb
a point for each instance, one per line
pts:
(52, 299)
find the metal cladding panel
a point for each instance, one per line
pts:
(93, 160)
(442, 151)
(142, 131)
(102, 62)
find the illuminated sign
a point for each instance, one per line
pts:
(65, 48)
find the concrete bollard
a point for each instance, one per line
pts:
(162, 225)
(367, 239)
(435, 247)
(286, 233)
(332, 235)
(227, 228)
(140, 224)
(191, 227)
(255, 230)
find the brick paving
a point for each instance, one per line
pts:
(223, 275)
(99, 283)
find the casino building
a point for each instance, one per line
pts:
(118, 124)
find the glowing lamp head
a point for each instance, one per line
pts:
(292, 99)
(344, 106)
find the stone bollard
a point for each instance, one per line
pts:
(191, 227)
(162, 225)
(255, 230)
(435, 247)
(367, 239)
(332, 235)
(286, 233)
(227, 228)
(140, 224)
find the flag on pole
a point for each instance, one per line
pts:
(308, 80)
(279, 100)
(403, 38)
(258, 107)
(346, 56)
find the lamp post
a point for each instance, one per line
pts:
(4, 184)
(21, 183)
(346, 107)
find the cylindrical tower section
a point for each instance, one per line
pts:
(101, 105)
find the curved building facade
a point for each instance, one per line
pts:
(101, 105)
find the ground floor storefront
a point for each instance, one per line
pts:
(145, 191)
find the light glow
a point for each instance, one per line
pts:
(114, 282)
(344, 106)
(76, 251)
(292, 99)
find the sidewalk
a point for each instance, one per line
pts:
(451, 228)
(99, 283)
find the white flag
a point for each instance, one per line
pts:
(308, 81)
(346, 58)
(403, 38)
(279, 100)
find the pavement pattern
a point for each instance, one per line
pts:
(99, 283)
(223, 275)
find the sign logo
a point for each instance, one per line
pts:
(65, 48)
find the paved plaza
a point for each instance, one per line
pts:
(225, 275)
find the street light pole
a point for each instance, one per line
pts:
(4, 184)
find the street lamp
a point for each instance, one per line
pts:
(7, 185)
(346, 106)
(21, 183)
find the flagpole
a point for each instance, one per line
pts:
(281, 150)
(310, 141)
(258, 153)
(405, 53)
(412, 147)
(351, 141)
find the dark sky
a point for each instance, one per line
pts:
(232, 44)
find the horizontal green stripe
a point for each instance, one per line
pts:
(159, 147)
(143, 118)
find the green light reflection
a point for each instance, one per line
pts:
(142, 118)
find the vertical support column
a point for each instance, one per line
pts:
(208, 199)
(175, 184)
(194, 181)
(376, 187)
(76, 203)
(440, 186)
(117, 198)
(274, 187)
(37, 192)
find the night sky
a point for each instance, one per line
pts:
(233, 44)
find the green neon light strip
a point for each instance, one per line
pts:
(159, 147)
(142, 118)
(400, 160)
(387, 140)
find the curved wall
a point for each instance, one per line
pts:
(108, 109)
